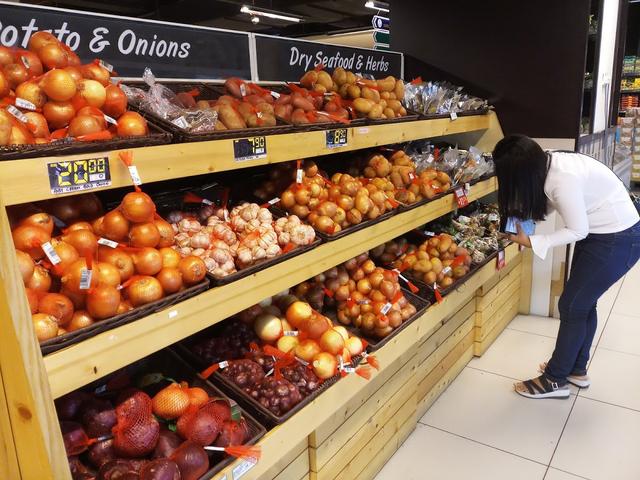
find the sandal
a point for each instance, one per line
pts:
(541, 387)
(580, 381)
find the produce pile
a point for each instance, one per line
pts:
(95, 266)
(160, 433)
(430, 98)
(362, 295)
(299, 349)
(46, 94)
(231, 241)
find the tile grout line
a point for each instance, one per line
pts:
(635, 410)
(480, 443)
(500, 375)
(555, 449)
(530, 333)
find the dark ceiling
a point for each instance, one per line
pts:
(318, 16)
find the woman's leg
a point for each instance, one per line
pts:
(580, 367)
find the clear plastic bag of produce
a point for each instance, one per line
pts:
(432, 98)
(163, 102)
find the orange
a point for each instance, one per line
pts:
(171, 402)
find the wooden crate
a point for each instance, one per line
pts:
(493, 281)
(486, 336)
(293, 464)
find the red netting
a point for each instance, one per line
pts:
(137, 430)
(202, 425)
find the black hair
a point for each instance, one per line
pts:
(521, 167)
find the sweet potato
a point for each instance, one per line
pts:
(298, 117)
(387, 84)
(232, 85)
(303, 103)
(284, 111)
(309, 79)
(230, 117)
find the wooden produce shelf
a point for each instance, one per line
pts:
(336, 403)
(93, 358)
(26, 180)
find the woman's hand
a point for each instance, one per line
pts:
(521, 238)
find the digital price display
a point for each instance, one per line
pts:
(68, 176)
(250, 148)
(337, 138)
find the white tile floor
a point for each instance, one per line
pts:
(480, 429)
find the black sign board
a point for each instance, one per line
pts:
(76, 175)
(130, 45)
(249, 148)
(336, 138)
(287, 59)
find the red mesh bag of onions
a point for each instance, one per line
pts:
(136, 432)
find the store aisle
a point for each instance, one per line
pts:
(479, 428)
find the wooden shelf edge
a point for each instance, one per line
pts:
(167, 162)
(333, 399)
(93, 358)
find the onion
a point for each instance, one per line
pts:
(122, 261)
(325, 365)
(79, 226)
(103, 301)
(95, 113)
(315, 326)
(74, 59)
(29, 239)
(32, 298)
(71, 279)
(59, 85)
(58, 306)
(342, 331)
(58, 114)
(26, 265)
(166, 233)
(170, 258)
(67, 253)
(144, 290)
(53, 55)
(298, 312)
(138, 207)
(307, 350)
(20, 135)
(45, 326)
(147, 261)
(84, 125)
(124, 307)
(286, 344)
(6, 56)
(80, 319)
(65, 208)
(31, 62)
(132, 124)
(5, 88)
(90, 205)
(40, 125)
(32, 92)
(108, 274)
(115, 226)
(144, 235)
(96, 72)
(92, 92)
(84, 241)
(268, 327)
(354, 345)
(40, 280)
(78, 299)
(40, 39)
(15, 74)
(332, 342)
(115, 103)
(42, 220)
(192, 460)
(170, 279)
(192, 269)
(98, 226)
(74, 72)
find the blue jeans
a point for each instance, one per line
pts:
(599, 261)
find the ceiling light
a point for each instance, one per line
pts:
(269, 14)
(255, 19)
(381, 6)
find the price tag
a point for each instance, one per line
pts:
(429, 234)
(243, 90)
(17, 113)
(385, 308)
(501, 261)
(336, 138)
(241, 469)
(291, 333)
(206, 201)
(26, 104)
(275, 94)
(25, 62)
(135, 176)
(446, 270)
(348, 369)
(299, 175)
(467, 188)
(493, 217)
(106, 66)
(453, 115)
(273, 201)
(76, 175)
(110, 120)
(249, 148)
(107, 243)
(50, 252)
(461, 197)
(224, 364)
(85, 279)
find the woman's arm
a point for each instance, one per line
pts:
(568, 197)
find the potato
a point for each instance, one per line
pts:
(370, 94)
(298, 117)
(319, 88)
(389, 112)
(324, 79)
(300, 102)
(392, 96)
(309, 79)
(354, 91)
(220, 125)
(363, 204)
(362, 105)
(445, 244)
(387, 85)
(436, 264)
(384, 95)
(231, 117)
(339, 76)
(351, 78)
(446, 282)
(267, 120)
(343, 91)
(394, 105)
(402, 112)
(354, 216)
(399, 89)
(375, 112)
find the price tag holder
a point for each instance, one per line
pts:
(336, 138)
(461, 197)
(454, 116)
(241, 469)
(501, 260)
(250, 148)
(77, 175)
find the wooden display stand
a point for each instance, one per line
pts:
(347, 432)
